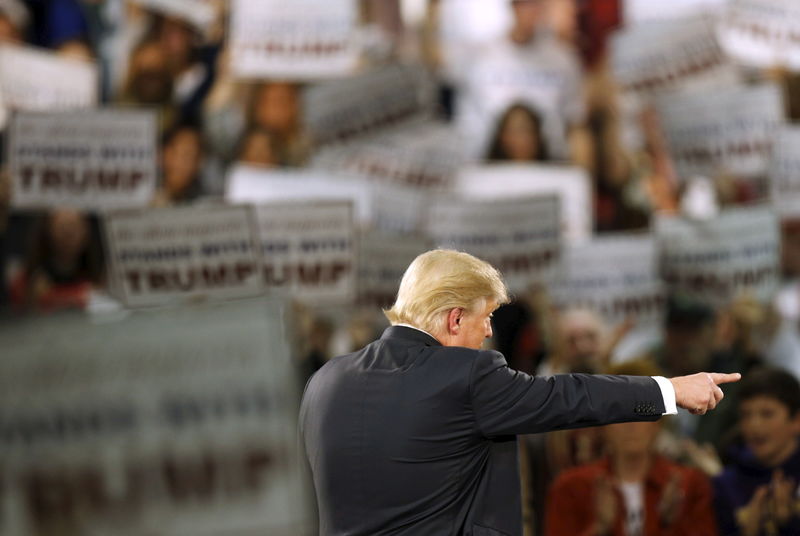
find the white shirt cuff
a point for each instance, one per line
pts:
(668, 393)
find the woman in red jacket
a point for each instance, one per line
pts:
(633, 491)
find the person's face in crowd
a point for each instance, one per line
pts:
(258, 149)
(689, 348)
(181, 157)
(177, 39)
(562, 16)
(520, 137)
(581, 339)
(526, 18)
(277, 108)
(768, 429)
(632, 438)
(151, 81)
(8, 32)
(474, 326)
(68, 231)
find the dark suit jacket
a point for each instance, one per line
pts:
(409, 437)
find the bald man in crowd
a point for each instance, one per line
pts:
(415, 434)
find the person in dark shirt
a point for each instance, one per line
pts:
(757, 493)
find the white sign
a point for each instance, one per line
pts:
(546, 77)
(763, 33)
(638, 11)
(199, 13)
(92, 160)
(722, 131)
(309, 249)
(616, 276)
(301, 39)
(341, 110)
(382, 261)
(176, 422)
(422, 155)
(715, 261)
(509, 181)
(382, 206)
(659, 56)
(521, 237)
(164, 255)
(784, 175)
(33, 79)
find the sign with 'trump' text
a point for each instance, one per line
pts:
(308, 248)
(92, 160)
(160, 256)
(341, 110)
(520, 237)
(762, 33)
(666, 55)
(176, 421)
(716, 261)
(382, 261)
(726, 130)
(616, 276)
(301, 39)
(33, 79)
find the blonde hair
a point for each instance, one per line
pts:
(440, 280)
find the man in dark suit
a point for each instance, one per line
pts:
(415, 434)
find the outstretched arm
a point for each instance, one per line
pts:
(700, 392)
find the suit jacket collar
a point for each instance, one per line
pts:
(409, 334)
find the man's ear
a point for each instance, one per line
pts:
(454, 320)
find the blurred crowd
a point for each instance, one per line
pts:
(734, 471)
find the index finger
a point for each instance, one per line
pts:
(719, 378)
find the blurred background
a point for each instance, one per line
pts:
(202, 201)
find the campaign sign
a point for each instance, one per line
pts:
(34, 79)
(727, 130)
(341, 110)
(309, 248)
(508, 181)
(91, 160)
(160, 256)
(178, 422)
(423, 155)
(616, 276)
(301, 39)
(762, 33)
(377, 205)
(658, 56)
(784, 173)
(640, 11)
(521, 237)
(382, 261)
(715, 261)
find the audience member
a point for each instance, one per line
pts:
(259, 147)
(529, 66)
(64, 263)
(518, 137)
(14, 19)
(757, 493)
(276, 107)
(633, 491)
(181, 165)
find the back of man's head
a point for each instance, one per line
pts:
(440, 280)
